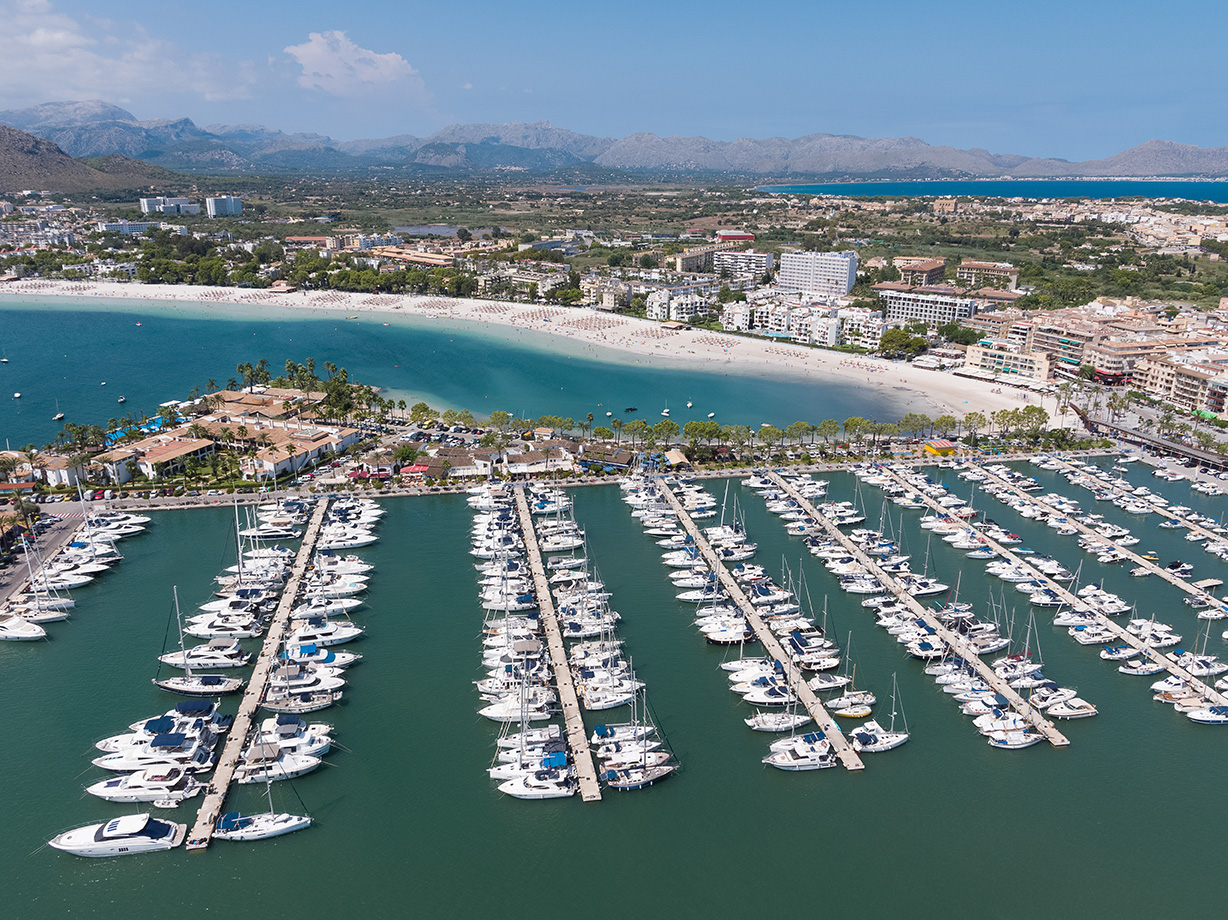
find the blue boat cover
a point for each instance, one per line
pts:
(232, 821)
(602, 731)
(286, 718)
(159, 725)
(169, 739)
(555, 760)
(307, 649)
(189, 706)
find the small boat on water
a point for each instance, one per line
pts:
(122, 399)
(124, 836)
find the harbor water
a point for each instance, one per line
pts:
(61, 353)
(1125, 822)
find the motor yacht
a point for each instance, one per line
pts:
(124, 836)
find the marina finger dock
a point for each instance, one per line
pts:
(1033, 715)
(1156, 655)
(848, 758)
(577, 738)
(211, 807)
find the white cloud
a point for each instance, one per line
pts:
(50, 55)
(335, 65)
(466, 86)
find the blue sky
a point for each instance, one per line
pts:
(1075, 79)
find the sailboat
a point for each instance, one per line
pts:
(59, 416)
(639, 765)
(234, 826)
(872, 738)
(189, 684)
(665, 411)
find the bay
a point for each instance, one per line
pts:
(61, 351)
(1123, 823)
(1216, 191)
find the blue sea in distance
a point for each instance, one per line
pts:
(1020, 188)
(61, 350)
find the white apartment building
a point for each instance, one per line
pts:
(825, 274)
(859, 326)
(772, 318)
(662, 306)
(224, 206)
(168, 206)
(748, 262)
(737, 317)
(901, 304)
(138, 226)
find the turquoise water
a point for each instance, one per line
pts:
(1021, 188)
(1124, 822)
(60, 351)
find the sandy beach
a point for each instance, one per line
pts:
(582, 330)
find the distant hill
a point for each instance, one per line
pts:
(29, 162)
(96, 128)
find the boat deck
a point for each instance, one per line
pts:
(1034, 716)
(236, 739)
(848, 758)
(577, 736)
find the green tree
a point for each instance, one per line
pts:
(854, 427)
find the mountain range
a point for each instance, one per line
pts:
(99, 129)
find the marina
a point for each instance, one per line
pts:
(832, 733)
(722, 756)
(959, 646)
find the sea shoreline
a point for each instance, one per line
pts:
(579, 331)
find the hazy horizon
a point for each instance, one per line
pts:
(1074, 82)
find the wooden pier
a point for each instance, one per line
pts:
(236, 739)
(577, 736)
(1193, 589)
(1204, 690)
(848, 757)
(1035, 717)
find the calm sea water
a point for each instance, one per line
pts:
(1021, 188)
(1123, 823)
(60, 353)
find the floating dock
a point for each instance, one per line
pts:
(236, 739)
(1035, 717)
(848, 758)
(577, 736)
(1204, 690)
(1194, 589)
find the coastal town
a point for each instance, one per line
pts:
(452, 469)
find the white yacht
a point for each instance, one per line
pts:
(17, 629)
(808, 752)
(216, 653)
(163, 786)
(262, 763)
(543, 784)
(124, 836)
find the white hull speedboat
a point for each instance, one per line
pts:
(124, 836)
